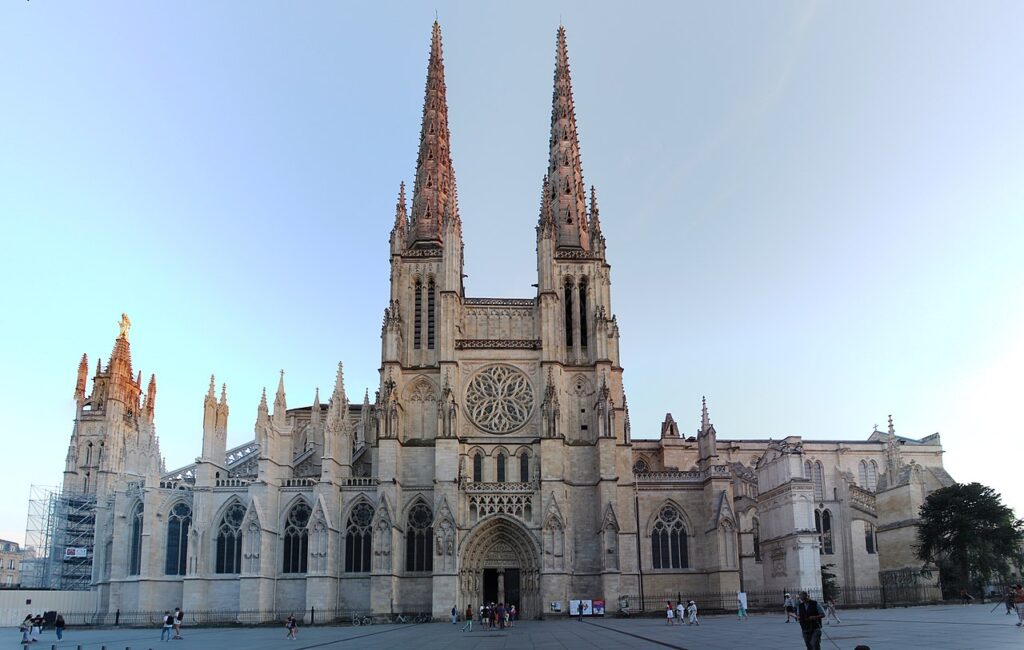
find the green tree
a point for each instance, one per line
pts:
(829, 582)
(966, 530)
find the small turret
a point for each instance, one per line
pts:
(401, 228)
(707, 439)
(280, 403)
(150, 408)
(221, 426)
(893, 453)
(83, 377)
(669, 428)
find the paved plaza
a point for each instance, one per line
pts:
(935, 628)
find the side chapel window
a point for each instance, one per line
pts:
(668, 540)
(178, 522)
(296, 539)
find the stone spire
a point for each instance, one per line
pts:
(83, 377)
(314, 412)
(210, 408)
(893, 455)
(151, 398)
(434, 189)
(401, 227)
(280, 403)
(222, 412)
(705, 419)
(563, 185)
(707, 439)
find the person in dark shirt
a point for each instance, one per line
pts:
(809, 613)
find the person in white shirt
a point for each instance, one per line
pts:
(692, 611)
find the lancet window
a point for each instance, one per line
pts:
(568, 313)
(501, 468)
(359, 539)
(524, 468)
(430, 314)
(868, 475)
(583, 312)
(816, 472)
(757, 540)
(870, 541)
(823, 526)
(135, 552)
(178, 522)
(478, 468)
(229, 540)
(296, 539)
(418, 554)
(417, 321)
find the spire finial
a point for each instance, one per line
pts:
(892, 429)
(435, 177)
(210, 391)
(223, 393)
(705, 419)
(564, 187)
(124, 325)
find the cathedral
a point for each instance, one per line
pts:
(494, 463)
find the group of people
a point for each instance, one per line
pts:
(681, 614)
(172, 623)
(32, 627)
(791, 606)
(493, 616)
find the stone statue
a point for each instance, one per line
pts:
(125, 324)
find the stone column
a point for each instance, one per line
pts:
(501, 585)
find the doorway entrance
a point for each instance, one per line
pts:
(502, 586)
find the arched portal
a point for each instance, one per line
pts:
(500, 562)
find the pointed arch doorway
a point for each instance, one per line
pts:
(500, 562)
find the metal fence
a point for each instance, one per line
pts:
(718, 602)
(311, 616)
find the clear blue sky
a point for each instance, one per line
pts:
(814, 212)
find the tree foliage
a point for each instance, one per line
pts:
(967, 529)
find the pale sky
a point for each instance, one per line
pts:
(814, 212)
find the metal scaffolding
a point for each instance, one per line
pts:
(59, 539)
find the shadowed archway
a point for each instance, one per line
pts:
(500, 560)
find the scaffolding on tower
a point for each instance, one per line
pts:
(59, 539)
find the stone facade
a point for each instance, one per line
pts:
(10, 564)
(495, 461)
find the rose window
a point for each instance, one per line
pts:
(499, 399)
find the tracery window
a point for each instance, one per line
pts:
(501, 467)
(178, 522)
(478, 468)
(296, 539)
(568, 312)
(641, 466)
(823, 526)
(418, 553)
(668, 540)
(135, 551)
(229, 540)
(816, 472)
(524, 468)
(359, 539)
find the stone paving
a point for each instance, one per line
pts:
(937, 628)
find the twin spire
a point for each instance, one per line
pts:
(564, 213)
(433, 200)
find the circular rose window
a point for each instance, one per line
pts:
(499, 399)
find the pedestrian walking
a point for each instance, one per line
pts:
(455, 615)
(579, 610)
(680, 617)
(469, 619)
(179, 616)
(58, 626)
(37, 626)
(790, 606)
(809, 615)
(25, 628)
(512, 615)
(691, 609)
(830, 611)
(1010, 608)
(1018, 601)
(669, 613)
(741, 605)
(292, 626)
(165, 629)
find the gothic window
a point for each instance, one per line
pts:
(418, 554)
(229, 540)
(823, 526)
(870, 541)
(862, 474)
(583, 312)
(478, 468)
(88, 454)
(359, 539)
(815, 471)
(417, 321)
(430, 315)
(668, 540)
(135, 556)
(178, 522)
(568, 312)
(641, 466)
(85, 487)
(524, 468)
(296, 539)
(757, 540)
(501, 467)
(872, 476)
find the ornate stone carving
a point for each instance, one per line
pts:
(497, 344)
(499, 399)
(500, 302)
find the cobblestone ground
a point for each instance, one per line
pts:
(937, 628)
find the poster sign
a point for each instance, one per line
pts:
(73, 552)
(598, 608)
(574, 607)
(556, 605)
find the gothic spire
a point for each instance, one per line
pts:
(564, 182)
(151, 395)
(83, 377)
(280, 403)
(705, 419)
(262, 413)
(595, 235)
(314, 411)
(401, 213)
(434, 188)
